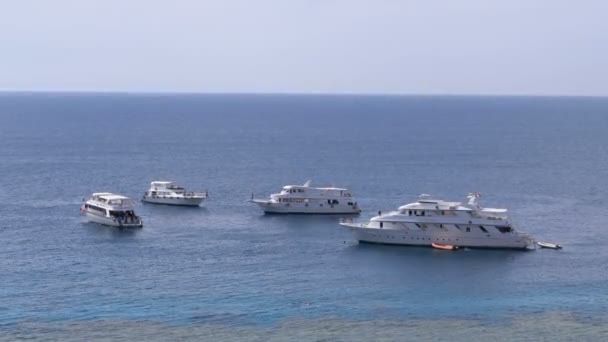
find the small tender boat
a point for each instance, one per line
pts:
(442, 246)
(549, 245)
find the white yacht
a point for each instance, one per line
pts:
(163, 192)
(112, 210)
(304, 199)
(428, 221)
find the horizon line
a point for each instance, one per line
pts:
(367, 94)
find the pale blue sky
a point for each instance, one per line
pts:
(533, 47)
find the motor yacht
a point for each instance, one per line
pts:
(111, 210)
(164, 192)
(304, 199)
(430, 221)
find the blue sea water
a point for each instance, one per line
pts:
(546, 159)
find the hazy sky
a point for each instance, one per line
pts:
(537, 47)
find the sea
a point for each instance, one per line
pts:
(227, 272)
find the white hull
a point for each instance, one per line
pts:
(426, 238)
(111, 222)
(312, 208)
(185, 201)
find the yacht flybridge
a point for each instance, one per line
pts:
(163, 192)
(429, 221)
(112, 210)
(304, 199)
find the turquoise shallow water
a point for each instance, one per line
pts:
(227, 266)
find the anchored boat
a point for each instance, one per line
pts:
(549, 245)
(304, 199)
(164, 192)
(431, 221)
(111, 210)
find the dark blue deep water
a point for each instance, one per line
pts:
(228, 266)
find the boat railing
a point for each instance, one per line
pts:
(203, 194)
(188, 194)
(127, 205)
(124, 204)
(496, 218)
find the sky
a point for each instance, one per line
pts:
(481, 47)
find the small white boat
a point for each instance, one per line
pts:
(549, 245)
(444, 247)
(164, 192)
(305, 199)
(111, 210)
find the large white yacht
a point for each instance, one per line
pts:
(428, 221)
(112, 210)
(304, 199)
(163, 192)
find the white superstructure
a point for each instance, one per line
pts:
(164, 192)
(304, 199)
(427, 221)
(112, 210)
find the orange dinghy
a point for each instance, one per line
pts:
(446, 247)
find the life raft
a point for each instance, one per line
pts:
(445, 247)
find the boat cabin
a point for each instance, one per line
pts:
(306, 191)
(112, 200)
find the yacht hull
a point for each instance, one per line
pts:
(307, 208)
(107, 221)
(421, 238)
(180, 201)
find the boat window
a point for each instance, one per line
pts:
(483, 229)
(504, 229)
(468, 229)
(96, 208)
(294, 200)
(117, 213)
